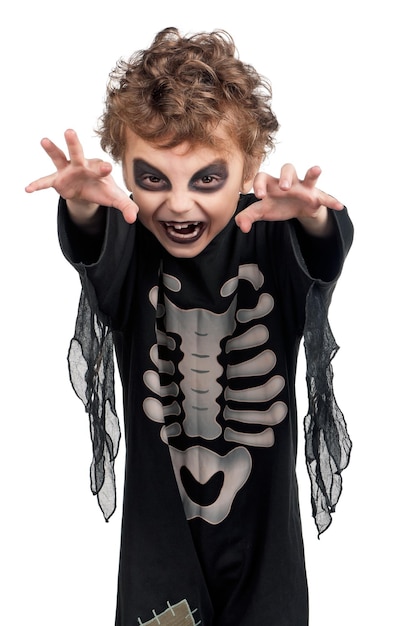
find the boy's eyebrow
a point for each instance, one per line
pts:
(219, 165)
(140, 166)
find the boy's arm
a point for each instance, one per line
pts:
(85, 222)
(86, 185)
(288, 197)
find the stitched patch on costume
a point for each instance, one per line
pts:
(177, 615)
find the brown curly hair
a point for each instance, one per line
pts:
(180, 90)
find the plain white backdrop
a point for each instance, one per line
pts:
(343, 84)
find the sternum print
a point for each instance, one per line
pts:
(202, 332)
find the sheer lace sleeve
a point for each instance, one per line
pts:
(91, 370)
(328, 445)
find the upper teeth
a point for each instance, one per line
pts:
(181, 226)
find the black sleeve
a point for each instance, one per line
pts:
(324, 256)
(102, 261)
(78, 246)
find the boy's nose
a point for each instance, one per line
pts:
(180, 202)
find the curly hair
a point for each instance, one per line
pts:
(180, 89)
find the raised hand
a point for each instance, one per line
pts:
(84, 183)
(289, 197)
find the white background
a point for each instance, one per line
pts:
(343, 80)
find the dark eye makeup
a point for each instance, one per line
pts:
(207, 180)
(210, 178)
(148, 177)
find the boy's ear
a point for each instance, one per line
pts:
(247, 184)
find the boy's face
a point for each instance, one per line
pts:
(186, 196)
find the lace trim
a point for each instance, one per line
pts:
(327, 443)
(91, 370)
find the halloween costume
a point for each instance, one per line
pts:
(207, 351)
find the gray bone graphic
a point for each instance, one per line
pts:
(203, 464)
(201, 332)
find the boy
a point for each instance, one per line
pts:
(206, 290)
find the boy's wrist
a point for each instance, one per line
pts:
(319, 225)
(88, 216)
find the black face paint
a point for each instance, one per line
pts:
(210, 178)
(148, 177)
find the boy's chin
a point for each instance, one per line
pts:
(185, 251)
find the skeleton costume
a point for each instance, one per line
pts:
(207, 350)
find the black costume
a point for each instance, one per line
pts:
(207, 351)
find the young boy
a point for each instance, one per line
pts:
(206, 290)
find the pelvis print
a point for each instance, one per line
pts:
(202, 335)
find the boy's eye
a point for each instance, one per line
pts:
(208, 182)
(148, 177)
(151, 182)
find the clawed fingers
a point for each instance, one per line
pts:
(58, 156)
(288, 178)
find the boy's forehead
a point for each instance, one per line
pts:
(221, 144)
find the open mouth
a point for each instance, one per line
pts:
(184, 232)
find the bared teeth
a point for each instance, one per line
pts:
(181, 226)
(184, 232)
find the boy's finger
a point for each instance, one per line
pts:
(57, 156)
(128, 208)
(330, 202)
(244, 223)
(98, 167)
(251, 214)
(260, 185)
(287, 176)
(41, 183)
(312, 176)
(76, 153)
